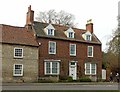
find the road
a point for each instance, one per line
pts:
(59, 86)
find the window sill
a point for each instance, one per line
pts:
(91, 74)
(18, 57)
(52, 53)
(73, 55)
(17, 75)
(90, 56)
(52, 74)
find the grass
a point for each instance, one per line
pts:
(61, 91)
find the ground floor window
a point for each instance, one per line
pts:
(52, 68)
(18, 70)
(90, 68)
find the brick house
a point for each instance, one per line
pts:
(19, 54)
(66, 51)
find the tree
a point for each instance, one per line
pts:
(104, 60)
(113, 52)
(62, 18)
(114, 43)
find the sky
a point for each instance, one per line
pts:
(102, 12)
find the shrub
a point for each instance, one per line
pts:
(85, 79)
(63, 77)
(45, 81)
(69, 79)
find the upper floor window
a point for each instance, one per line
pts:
(51, 32)
(52, 68)
(90, 51)
(52, 47)
(88, 37)
(18, 70)
(73, 49)
(90, 68)
(18, 52)
(70, 34)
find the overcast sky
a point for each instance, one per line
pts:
(102, 12)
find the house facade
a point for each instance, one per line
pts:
(66, 51)
(19, 55)
(49, 51)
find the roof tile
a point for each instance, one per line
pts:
(17, 35)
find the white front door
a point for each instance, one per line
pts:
(73, 70)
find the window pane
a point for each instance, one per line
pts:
(93, 68)
(52, 47)
(18, 69)
(72, 49)
(18, 52)
(54, 67)
(72, 63)
(88, 71)
(18, 66)
(87, 68)
(90, 51)
(71, 34)
(88, 37)
(48, 67)
(50, 31)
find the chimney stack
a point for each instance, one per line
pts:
(30, 16)
(89, 26)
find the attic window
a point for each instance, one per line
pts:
(70, 34)
(88, 37)
(50, 32)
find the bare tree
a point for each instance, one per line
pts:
(113, 53)
(62, 18)
(114, 43)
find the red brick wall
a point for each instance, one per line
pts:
(62, 53)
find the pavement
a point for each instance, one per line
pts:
(61, 86)
(68, 83)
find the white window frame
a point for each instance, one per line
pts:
(88, 37)
(51, 73)
(54, 52)
(88, 51)
(51, 32)
(90, 69)
(15, 52)
(69, 35)
(15, 69)
(74, 54)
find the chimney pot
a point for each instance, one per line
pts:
(29, 8)
(89, 26)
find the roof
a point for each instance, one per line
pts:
(59, 33)
(17, 35)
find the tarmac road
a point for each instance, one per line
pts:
(60, 86)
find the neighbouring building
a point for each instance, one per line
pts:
(19, 54)
(66, 51)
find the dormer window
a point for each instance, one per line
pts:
(50, 30)
(87, 36)
(70, 33)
